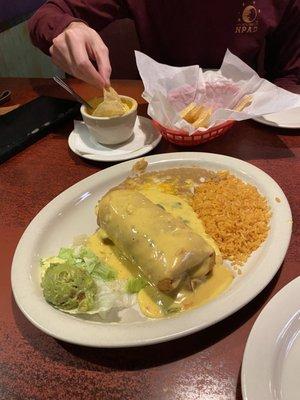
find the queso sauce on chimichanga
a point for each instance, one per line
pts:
(207, 271)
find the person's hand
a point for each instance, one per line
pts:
(75, 49)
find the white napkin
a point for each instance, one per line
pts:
(169, 89)
(86, 144)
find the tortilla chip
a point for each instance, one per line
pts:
(203, 118)
(111, 106)
(110, 95)
(185, 112)
(198, 115)
(110, 109)
(195, 113)
(243, 103)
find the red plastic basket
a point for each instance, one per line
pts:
(182, 138)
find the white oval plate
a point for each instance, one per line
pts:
(289, 119)
(145, 138)
(72, 213)
(271, 364)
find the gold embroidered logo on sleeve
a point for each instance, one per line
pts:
(248, 19)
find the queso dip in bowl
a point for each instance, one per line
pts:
(111, 130)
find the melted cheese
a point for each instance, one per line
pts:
(153, 303)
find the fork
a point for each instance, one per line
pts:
(65, 86)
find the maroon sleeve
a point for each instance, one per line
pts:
(55, 15)
(282, 61)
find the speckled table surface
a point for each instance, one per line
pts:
(205, 365)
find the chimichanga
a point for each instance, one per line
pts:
(164, 248)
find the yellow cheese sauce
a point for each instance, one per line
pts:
(153, 303)
(111, 109)
(217, 282)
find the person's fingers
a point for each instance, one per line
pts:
(60, 55)
(59, 61)
(99, 52)
(81, 64)
(73, 51)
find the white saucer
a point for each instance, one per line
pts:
(144, 139)
(289, 119)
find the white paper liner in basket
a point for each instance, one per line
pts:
(169, 89)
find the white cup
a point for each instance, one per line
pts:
(111, 130)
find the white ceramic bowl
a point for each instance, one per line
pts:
(111, 130)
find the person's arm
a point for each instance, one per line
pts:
(67, 30)
(282, 62)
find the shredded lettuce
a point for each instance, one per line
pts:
(66, 254)
(111, 294)
(104, 272)
(134, 285)
(82, 257)
(112, 297)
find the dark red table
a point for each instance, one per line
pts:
(205, 365)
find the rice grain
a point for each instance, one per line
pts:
(234, 213)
